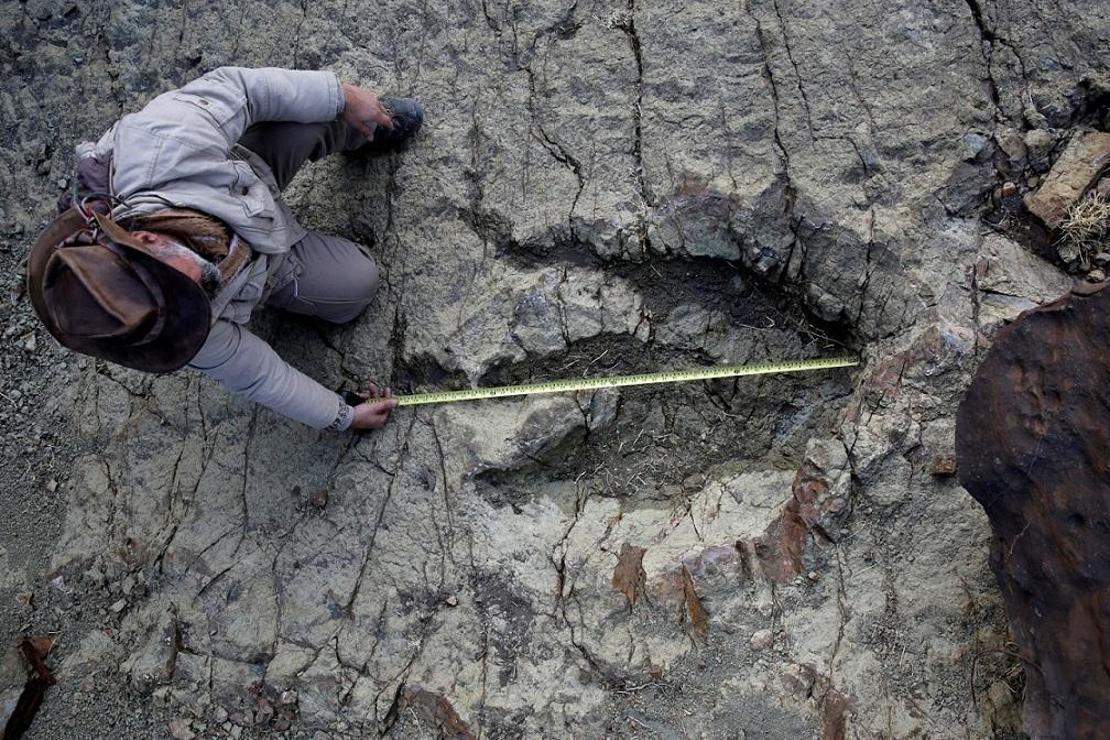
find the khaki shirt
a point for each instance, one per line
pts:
(181, 150)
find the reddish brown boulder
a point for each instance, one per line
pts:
(1033, 444)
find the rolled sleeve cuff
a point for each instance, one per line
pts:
(344, 415)
(337, 92)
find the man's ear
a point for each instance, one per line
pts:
(146, 237)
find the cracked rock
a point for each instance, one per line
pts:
(596, 190)
(154, 663)
(1074, 172)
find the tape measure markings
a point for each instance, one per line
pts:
(667, 376)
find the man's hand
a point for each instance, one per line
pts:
(373, 413)
(363, 109)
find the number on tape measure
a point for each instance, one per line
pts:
(583, 384)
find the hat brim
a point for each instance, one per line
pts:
(186, 311)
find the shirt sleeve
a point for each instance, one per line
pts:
(251, 369)
(246, 96)
(178, 134)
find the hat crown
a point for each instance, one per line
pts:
(101, 292)
(95, 293)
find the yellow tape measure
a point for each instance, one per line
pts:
(585, 384)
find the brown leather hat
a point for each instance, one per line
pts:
(104, 294)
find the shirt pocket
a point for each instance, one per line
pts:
(251, 192)
(210, 106)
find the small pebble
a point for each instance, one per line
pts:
(242, 718)
(943, 465)
(974, 145)
(762, 640)
(1096, 275)
(265, 712)
(180, 730)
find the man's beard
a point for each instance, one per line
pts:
(210, 279)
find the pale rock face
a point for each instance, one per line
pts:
(8, 575)
(13, 676)
(528, 315)
(599, 188)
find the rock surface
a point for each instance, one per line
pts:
(600, 187)
(1086, 157)
(1033, 446)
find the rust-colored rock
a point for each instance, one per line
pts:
(1033, 442)
(436, 711)
(1077, 169)
(943, 466)
(24, 679)
(690, 608)
(628, 574)
(782, 546)
(818, 507)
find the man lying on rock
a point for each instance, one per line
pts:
(179, 231)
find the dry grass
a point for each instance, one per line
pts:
(1085, 230)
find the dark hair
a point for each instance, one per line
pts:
(210, 279)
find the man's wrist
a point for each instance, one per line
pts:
(344, 415)
(343, 87)
(342, 98)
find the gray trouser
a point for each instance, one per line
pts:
(335, 278)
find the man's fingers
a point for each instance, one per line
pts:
(373, 390)
(379, 415)
(381, 117)
(365, 130)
